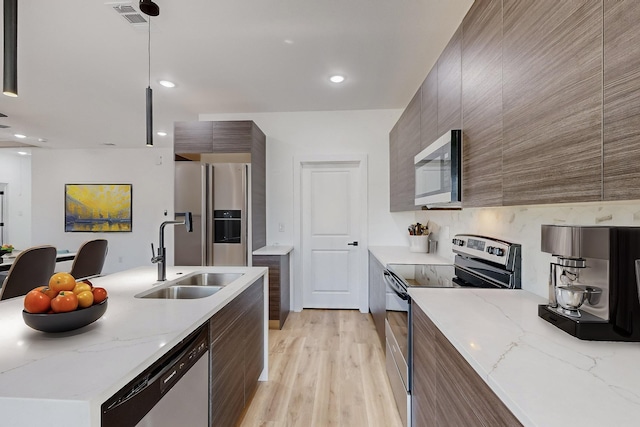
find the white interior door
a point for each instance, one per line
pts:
(331, 220)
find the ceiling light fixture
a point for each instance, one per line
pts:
(337, 78)
(160, 133)
(150, 8)
(10, 76)
(167, 83)
(19, 135)
(22, 153)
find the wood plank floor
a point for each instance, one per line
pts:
(326, 368)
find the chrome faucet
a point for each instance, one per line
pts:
(160, 259)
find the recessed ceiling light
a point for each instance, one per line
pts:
(42, 140)
(288, 41)
(23, 153)
(167, 83)
(162, 133)
(337, 78)
(19, 135)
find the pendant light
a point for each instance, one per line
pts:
(10, 76)
(148, 7)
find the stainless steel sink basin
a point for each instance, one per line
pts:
(182, 292)
(199, 285)
(209, 279)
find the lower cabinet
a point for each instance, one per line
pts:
(377, 296)
(446, 390)
(236, 354)
(279, 286)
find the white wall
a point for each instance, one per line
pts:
(521, 224)
(152, 192)
(15, 171)
(326, 132)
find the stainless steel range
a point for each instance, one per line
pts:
(480, 262)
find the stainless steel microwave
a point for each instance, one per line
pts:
(439, 172)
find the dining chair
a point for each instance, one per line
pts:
(32, 267)
(90, 259)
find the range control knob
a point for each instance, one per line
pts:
(458, 242)
(495, 251)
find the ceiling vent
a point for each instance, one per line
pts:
(125, 9)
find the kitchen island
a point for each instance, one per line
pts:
(62, 379)
(543, 375)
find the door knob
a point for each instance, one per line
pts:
(353, 244)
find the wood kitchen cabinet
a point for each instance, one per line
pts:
(403, 148)
(377, 296)
(429, 110)
(279, 286)
(552, 101)
(446, 390)
(236, 354)
(621, 128)
(482, 105)
(394, 185)
(449, 67)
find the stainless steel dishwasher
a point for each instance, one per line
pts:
(174, 391)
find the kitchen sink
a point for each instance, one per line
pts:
(182, 292)
(200, 285)
(208, 279)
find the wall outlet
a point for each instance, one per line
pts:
(281, 227)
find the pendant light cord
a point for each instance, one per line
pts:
(149, 51)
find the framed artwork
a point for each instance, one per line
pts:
(97, 208)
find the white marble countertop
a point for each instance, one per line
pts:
(273, 250)
(401, 255)
(545, 376)
(46, 377)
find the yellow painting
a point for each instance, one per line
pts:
(97, 207)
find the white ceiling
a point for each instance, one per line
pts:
(83, 69)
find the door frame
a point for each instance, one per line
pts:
(299, 162)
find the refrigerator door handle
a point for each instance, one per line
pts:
(207, 209)
(243, 226)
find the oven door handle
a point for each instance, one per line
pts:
(484, 277)
(393, 281)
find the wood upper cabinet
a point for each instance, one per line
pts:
(449, 67)
(377, 296)
(404, 144)
(621, 100)
(552, 101)
(429, 109)
(446, 389)
(394, 184)
(482, 105)
(193, 137)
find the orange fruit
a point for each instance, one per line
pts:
(62, 282)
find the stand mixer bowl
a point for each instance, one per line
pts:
(571, 297)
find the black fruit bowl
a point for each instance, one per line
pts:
(63, 322)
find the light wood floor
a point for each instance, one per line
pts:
(326, 368)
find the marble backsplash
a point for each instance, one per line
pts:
(521, 224)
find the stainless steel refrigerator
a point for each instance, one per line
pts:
(218, 196)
